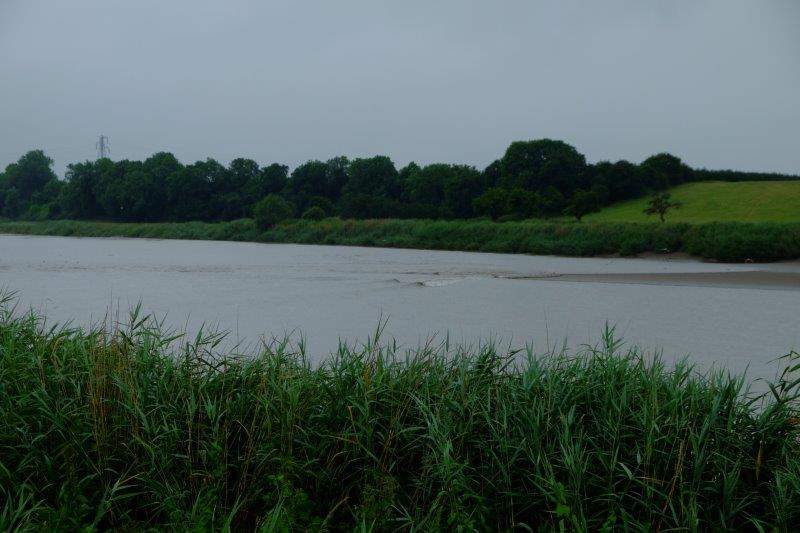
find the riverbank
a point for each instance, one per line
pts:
(129, 430)
(725, 241)
(753, 279)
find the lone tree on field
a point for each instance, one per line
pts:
(659, 204)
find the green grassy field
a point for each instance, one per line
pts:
(717, 201)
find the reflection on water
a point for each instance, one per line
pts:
(333, 293)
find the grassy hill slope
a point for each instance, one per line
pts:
(717, 201)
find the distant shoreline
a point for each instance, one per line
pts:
(732, 242)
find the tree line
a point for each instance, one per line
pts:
(539, 178)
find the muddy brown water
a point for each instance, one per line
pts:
(735, 316)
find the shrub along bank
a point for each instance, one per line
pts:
(724, 241)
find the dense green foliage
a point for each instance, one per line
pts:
(703, 174)
(717, 201)
(314, 213)
(28, 185)
(235, 230)
(271, 210)
(133, 430)
(719, 241)
(582, 203)
(731, 242)
(540, 178)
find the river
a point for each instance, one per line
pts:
(736, 316)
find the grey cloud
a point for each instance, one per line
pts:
(713, 81)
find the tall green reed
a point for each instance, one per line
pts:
(133, 427)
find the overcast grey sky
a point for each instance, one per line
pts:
(716, 82)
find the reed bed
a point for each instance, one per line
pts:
(132, 427)
(720, 241)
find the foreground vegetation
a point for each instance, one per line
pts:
(717, 201)
(132, 429)
(717, 241)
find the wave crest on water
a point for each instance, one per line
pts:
(439, 282)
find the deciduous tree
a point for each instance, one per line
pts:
(660, 204)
